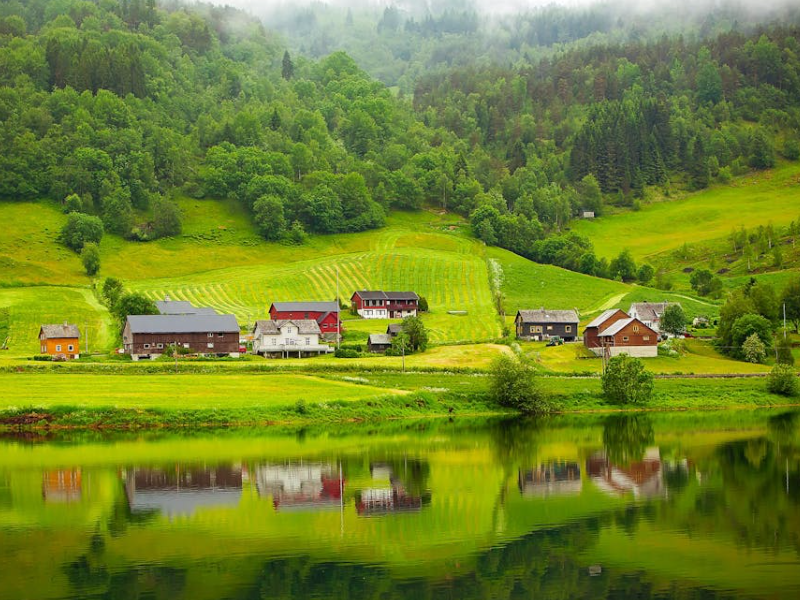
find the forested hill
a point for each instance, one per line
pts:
(107, 106)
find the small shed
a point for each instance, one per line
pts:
(393, 329)
(379, 342)
(60, 340)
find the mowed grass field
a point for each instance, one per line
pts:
(176, 391)
(27, 308)
(749, 201)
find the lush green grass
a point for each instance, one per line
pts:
(700, 357)
(30, 307)
(176, 391)
(755, 199)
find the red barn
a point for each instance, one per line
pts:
(591, 335)
(326, 314)
(620, 334)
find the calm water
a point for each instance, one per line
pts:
(669, 506)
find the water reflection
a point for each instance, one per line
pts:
(183, 489)
(670, 506)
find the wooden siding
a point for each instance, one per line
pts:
(591, 334)
(51, 346)
(544, 330)
(148, 343)
(635, 333)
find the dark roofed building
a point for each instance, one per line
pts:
(147, 336)
(379, 342)
(371, 304)
(393, 329)
(543, 324)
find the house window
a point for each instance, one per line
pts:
(44, 349)
(210, 335)
(308, 341)
(646, 338)
(159, 345)
(274, 341)
(533, 329)
(635, 329)
(624, 338)
(288, 330)
(70, 347)
(305, 315)
(147, 346)
(58, 348)
(220, 335)
(186, 345)
(537, 329)
(210, 344)
(568, 328)
(549, 328)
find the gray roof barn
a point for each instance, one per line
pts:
(548, 316)
(270, 327)
(394, 328)
(380, 339)
(331, 306)
(183, 323)
(182, 307)
(64, 330)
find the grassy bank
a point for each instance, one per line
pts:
(94, 400)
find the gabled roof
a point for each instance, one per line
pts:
(394, 328)
(324, 307)
(379, 295)
(380, 339)
(183, 323)
(598, 321)
(273, 327)
(620, 325)
(182, 307)
(64, 330)
(649, 311)
(548, 316)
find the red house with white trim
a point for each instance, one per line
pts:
(326, 314)
(385, 305)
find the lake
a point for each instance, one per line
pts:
(672, 505)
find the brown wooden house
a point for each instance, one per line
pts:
(62, 341)
(543, 324)
(148, 336)
(614, 332)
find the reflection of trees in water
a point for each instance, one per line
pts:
(515, 440)
(543, 564)
(626, 437)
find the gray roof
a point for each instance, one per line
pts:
(619, 326)
(64, 330)
(605, 316)
(183, 323)
(380, 339)
(378, 295)
(326, 307)
(394, 328)
(548, 316)
(270, 327)
(649, 311)
(182, 307)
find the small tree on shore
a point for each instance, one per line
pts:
(414, 328)
(673, 320)
(513, 385)
(782, 380)
(753, 349)
(626, 381)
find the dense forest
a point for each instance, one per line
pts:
(110, 107)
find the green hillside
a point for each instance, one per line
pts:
(756, 199)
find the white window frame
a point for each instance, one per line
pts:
(146, 346)
(161, 346)
(210, 344)
(568, 328)
(274, 341)
(70, 348)
(210, 334)
(308, 341)
(625, 338)
(58, 347)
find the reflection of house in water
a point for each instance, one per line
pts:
(62, 486)
(642, 477)
(182, 490)
(301, 486)
(551, 479)
(394, 498)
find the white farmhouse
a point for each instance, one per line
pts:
(649, 313)
(286, 338)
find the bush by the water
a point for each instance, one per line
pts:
(782, 380)
(346, 353)
(513, 385)
(626, 381)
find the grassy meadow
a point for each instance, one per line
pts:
(749, 201)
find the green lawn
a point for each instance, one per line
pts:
(755, 199)
(30, 307)
(176, 391)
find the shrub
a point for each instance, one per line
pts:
(626, 381)
(80, 229)
(345, 353)
(783, 381)
(673, 320)
(513, 385)
(753, 349)
(423, 304)
(90, 257)
(785, 355)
